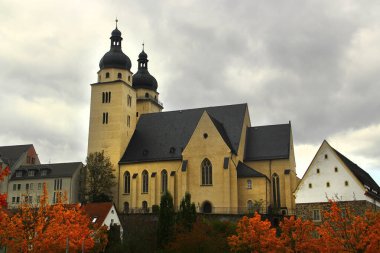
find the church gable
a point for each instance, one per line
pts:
(163, 136)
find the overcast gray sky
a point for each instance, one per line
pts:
(315, 63)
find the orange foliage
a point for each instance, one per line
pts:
(298, 235)
(342, 231)
(254, 235)
(47, 228)
(3, 197)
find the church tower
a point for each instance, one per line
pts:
(113, 105)
(146, 87)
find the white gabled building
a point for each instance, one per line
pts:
(331, 175)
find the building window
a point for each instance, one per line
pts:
(346, 183)
(328, 184)
(250, 206)
(317, 171)
(126, 207)
(31, 186)
(106, 97)
(147, 95)
(164, 181)
(129, 78)
(310, 186)
(18, 187)
(119, 75)
(13, 200)
(57, 196)
(107, 75)
(43, 172)
(105, 117)
(27, 187)
(129, 101)
(58, 184)
(206, 172)
(145, 206)
(128, 121)
(145, 182)
(276, 191)
(127, 182)
(326, 156)
(19, 174)
(137, 114)
(316, 215)
(336, 169)
(31, 173)
(249, 184)
(39, 186)
(14, 187)
(18, 200)
(38, 198)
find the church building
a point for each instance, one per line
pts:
(214, 153)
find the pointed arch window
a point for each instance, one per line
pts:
(164, 181)
(276, 191)
(206, 168)
(145, 181)
(127, 182)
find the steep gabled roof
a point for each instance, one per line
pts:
(268, 142)
(54, 170)
(244, 170)
(223, 133)
(10, 154)
(164, 135)
(98, 211)
(359, 173)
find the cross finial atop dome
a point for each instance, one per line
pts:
(143, 45)
(116, 20)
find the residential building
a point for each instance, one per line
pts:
(61, 179)
(332, 176)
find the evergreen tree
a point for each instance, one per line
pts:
(166, 220)
(99, 178)
(187, 213)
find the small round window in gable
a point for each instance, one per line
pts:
(205, 135)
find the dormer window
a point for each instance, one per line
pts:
(43, 172)
(18, 173)
(31, 173)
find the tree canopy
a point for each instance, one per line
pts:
(99, 178)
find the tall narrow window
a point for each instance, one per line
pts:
(107, 75)
(250, 206)
(206, 172)
(103, 97)
(109, 97)
(276, 191)
(105, 117)
(119, 75)
(249, 184)
(145, 206)
(145, 181)
(129, 101)
(164, 181)
(126, 207)
(127, 182)
(128, 121)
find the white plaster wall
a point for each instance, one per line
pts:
(319, 191)
(112, 214)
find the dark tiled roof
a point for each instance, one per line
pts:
(244, 170)
(157, 134)
(98, 211)
(360, 174)
(54, 170)
(10, 154)
(267, 142)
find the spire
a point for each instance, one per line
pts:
(143, 59)
(116, 22)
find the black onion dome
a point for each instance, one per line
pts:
(142, 78)
(115, 58)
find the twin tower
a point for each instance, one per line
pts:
(118, 99)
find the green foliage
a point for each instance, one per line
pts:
(155, 209)
(166, 220)
(186, 216)
(99, 177)
(114, 239)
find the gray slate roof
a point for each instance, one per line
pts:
(360, 174)
(10, 154)
(267, 142)
(55, 170)
(244, 170)
(158, 133)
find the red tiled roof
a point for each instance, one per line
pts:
(98, 210)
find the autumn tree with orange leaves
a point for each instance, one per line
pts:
(49, 228)
(254, 235)
(341, 231)
(3, 197)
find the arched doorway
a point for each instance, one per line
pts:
(206, 207)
